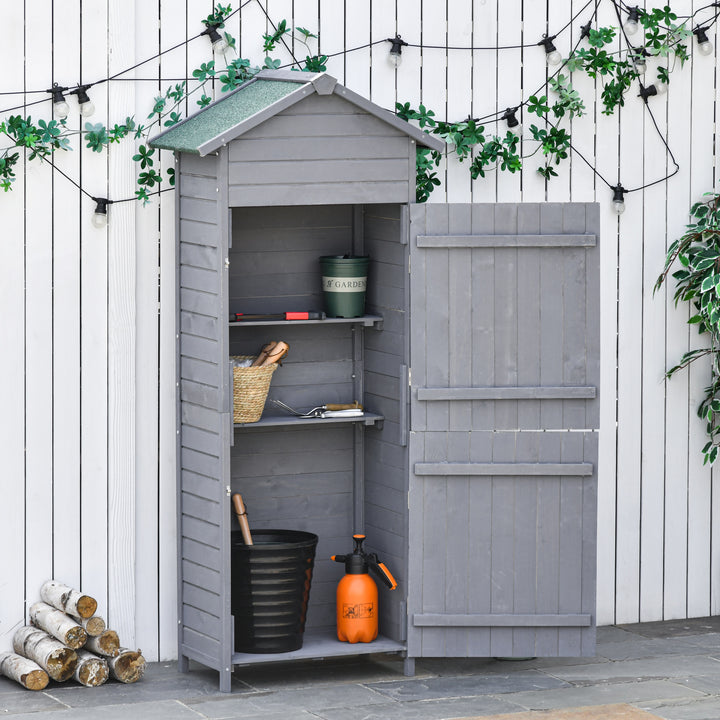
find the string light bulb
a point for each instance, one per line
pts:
(86, 106)
(631, 24)
(553, 57)
(218, 42)
(100, 217)
(395, 55)
(659, 88)
(639, 62)
(705, 47)
(618, 200)
(60, 106)
(513, 123)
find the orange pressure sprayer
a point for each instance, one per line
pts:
(357, 594)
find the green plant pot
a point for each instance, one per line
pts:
(344, 282)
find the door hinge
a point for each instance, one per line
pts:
(409, 377)
(228, 491)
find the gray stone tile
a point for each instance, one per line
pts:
(424, 710)
(709, 684)
(612, 633)
(178, 686)
(608, 693)
(455, 687)
(675, 628)
(640, 647)
(649, 668)
(26, 701)
(165, 710)
(314, 699)
(706, 709)
(708, 641)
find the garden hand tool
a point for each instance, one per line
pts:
(324, 411)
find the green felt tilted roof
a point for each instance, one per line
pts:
(191, 134)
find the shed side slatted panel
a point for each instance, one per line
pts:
(203, 379)
(519, 542)
(385, 393)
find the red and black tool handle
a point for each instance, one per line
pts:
(311, 315)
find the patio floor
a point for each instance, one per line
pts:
(665, 670)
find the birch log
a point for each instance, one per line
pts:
(94, 625)
(28, 673)
(106, 644)
(50, 654)
(62, 597)
(91, 670)
(128, 666)
(58, 624)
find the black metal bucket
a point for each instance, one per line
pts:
(270, 589)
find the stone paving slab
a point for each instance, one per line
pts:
(314, 699)
(492, 684)
(649, 668)
(165, 710)
(635, 648)
(624, 692)
(27, 701)
(675, 628)
(424, 710)
(706, 709)
(709, 684)
(599, 712)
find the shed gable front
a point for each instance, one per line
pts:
(321, 149)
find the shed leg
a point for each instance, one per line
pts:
(183, 664)
(409, 667)
(226, 680)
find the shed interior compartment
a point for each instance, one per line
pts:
(333, 478)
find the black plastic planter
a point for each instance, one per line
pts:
(270, 589)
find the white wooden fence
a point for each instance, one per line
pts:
(87, 422)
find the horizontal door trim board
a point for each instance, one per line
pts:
(535, 469)
(507, 393)
(498, 620)
(504, 241)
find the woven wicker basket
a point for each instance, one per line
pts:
(250, 389)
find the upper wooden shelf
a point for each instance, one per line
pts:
(366, 320)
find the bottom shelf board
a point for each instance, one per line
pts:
(321, 645)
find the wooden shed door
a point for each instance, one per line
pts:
(504, 417)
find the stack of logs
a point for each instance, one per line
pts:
(66, 639)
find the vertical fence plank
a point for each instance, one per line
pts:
(534, 76)
(147, 31)
(66, 366)
(12, 358)
(459, 79)
(121, 338)
(433, 77)
(333, 31)
(38, 335)
(91, 172)
(700, 477)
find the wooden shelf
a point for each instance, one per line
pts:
(321, 645)
(288, 420)
(366, 320)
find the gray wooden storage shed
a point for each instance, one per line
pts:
(473, 471)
